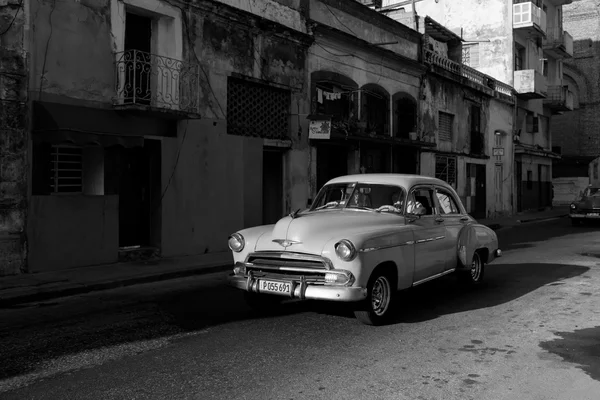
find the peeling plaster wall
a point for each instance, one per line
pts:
(13, 140)
(364, 27)
(217, 184)
(479, 20)
(443, 95)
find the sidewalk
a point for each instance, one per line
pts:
(526, 217)
(25, 288)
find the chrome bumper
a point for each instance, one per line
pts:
(303, 290)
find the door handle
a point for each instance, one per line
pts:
(439, 219)
(464, 219)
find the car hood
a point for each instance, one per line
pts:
(590, 202)
(310, 232)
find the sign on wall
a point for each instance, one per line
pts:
(498, 151)
(319, 129)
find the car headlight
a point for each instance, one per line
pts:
(345, 250)
(573, 206)
(236, 242)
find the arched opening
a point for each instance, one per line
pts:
(334, 95)
(375, 114)
(405, 115)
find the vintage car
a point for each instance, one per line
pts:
(586, 207)
(364, 238)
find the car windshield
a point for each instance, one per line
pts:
(361, 196)
(591, 192)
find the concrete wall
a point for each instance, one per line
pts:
(13, 138)
(567, 190)
(217, 185)
(577, 132)
(359, 21)
(216, 188)
(444, 95)
(72, 231)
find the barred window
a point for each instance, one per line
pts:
(66, 169)
(257, 110)
(446, 122)
(445, 169)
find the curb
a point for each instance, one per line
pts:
(497, 227)
(95, 287)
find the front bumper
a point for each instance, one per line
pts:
(304, 291)
(595, 215)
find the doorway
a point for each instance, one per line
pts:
(476, 176)
(138, 65)
(375, 159)
(498, 172)
(133, 175)
(519, 174)
(406, 160)
(272, 204)
(332, 161)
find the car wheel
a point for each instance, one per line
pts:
(263, 302)
(376, 308)
(474, 275)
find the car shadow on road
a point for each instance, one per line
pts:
(526, 235)
(503, 283)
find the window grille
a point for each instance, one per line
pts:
(257, 110)
(446, 123)
(66, 169)
(445, 169)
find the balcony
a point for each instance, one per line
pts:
(560, 98)
(154, 83)
(529, 19)
(530, 84)
(558, 43)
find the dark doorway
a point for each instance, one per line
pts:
(406, 117)
(406, 160)
(477, 171)
(138, 65)
(272, 204)
(129, 172)
(540, 187)
(375, 159)
(332, 161)
(519, 174)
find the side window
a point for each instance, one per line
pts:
(421, 197)
(447, 203)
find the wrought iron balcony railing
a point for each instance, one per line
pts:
(559, 39)
(146, 79)
(471, 74)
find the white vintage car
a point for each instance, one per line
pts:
(364, 238)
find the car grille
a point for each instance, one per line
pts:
(296, 266)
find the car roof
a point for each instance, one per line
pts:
(405, 180)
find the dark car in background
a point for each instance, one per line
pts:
(586, 207)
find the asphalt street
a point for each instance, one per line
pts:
(531, 332)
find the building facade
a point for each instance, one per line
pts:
(522, 44)
(365, 77)
(576, 135)
(152, 126)
(469, 117)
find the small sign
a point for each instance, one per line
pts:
(319, 129)
(498, 151)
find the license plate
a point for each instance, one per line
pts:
(593, 215)
(278, 287)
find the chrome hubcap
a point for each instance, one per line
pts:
(380, 295)
(476, 267)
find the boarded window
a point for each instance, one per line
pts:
(257, 110)
(66, 168)
(446, 124)
(445, 169)
(470, 55)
